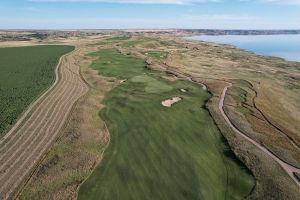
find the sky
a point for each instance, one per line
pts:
(147, 14)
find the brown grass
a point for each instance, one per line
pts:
(73, 157)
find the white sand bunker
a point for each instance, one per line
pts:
(183, 90)
(171, 101)
(122, 81)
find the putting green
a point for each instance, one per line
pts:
(157, 152)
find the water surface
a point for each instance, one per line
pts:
(284, 46)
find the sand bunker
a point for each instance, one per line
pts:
(183, 90)
(171, 78)
(171, 101)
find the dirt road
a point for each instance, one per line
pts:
(290, 170)
(26, 143)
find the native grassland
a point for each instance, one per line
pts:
(263, 104)
(240, 106)
(138, 41)
(157, 152)
(25, 72)
(270, 77)
(156, 54)
(262, 111)
(118, 38)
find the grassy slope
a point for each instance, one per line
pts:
(24, 73)
(157, 152)
(118, 38)
(140, 40)
(156, 54)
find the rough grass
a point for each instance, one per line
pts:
(157, 152)
(118, 38)
(138, 41)
(116, 67)
(24, 73)
(156, 54)
(250, 121)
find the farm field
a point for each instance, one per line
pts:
(25, 72)
(157, 152)
(29, 140)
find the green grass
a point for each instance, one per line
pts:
(118, 38)
(138, 41)
(242, 83)
(24, 73)
(121, 66)
(238, 94)
(156, 54)
(157, 152)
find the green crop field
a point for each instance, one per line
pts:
(24, 73)
(157, 152)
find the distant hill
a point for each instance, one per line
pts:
(238, 32)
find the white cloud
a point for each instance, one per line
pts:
(291, 2)
(227, 17)
(282, 2)
(34, 9)
(178, 2)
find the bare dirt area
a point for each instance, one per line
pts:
(26, 144)
(169, 102)
(170, 78)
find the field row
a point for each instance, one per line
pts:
(21, 151)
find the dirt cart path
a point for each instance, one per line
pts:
(26, 143)
(290, 170)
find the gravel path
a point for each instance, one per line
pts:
(290, 170)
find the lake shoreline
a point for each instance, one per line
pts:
(261, 45)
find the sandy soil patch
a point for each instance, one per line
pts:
(170, 78)
(171, 101)
(122, 81)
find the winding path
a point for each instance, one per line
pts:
(33, 134)
(290, 170)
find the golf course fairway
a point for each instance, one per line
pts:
(156, 152)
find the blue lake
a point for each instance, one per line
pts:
(284, 46)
